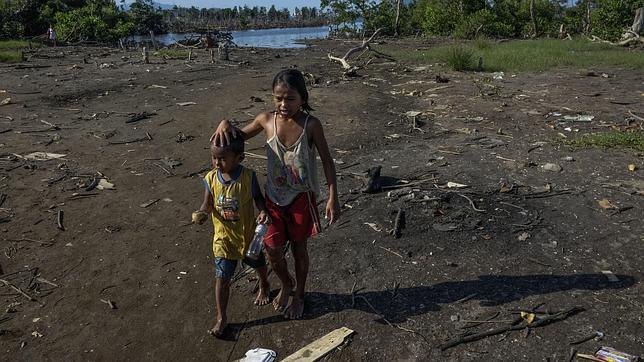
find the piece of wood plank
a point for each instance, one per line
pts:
(320, 347)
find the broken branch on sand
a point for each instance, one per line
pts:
(350, 70)
(471, 203)
(59, 220)
(556, 317)
(17, 289)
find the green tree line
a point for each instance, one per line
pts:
(492, 18)
(107, 21)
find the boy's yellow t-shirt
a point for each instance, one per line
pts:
(233, 217)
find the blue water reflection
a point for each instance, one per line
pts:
(263, 38)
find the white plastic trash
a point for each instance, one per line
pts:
(259, 355)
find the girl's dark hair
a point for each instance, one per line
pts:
(294, 79)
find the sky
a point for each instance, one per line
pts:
(279, 4)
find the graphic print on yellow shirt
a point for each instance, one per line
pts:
(228, 207)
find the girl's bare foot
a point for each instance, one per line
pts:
(218, 329)
(281, 301)
(263, 296)
(295, 309)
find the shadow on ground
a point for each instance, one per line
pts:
(396, 305)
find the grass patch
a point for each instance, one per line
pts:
(173, 54)
(632, 140)
(533, 55)
(10, 56)
(17, 44)
(460, 58)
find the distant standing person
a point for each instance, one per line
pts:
(51, 34)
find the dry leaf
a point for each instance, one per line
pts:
(606, 205)
(5, 101)
(528, 317)
(632, 167)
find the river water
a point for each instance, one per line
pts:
(261, 38)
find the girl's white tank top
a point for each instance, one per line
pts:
(291, 170)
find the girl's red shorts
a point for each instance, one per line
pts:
(295, 222)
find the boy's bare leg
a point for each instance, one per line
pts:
(278, 263)
(263, 296)
(301, 258)
(222, 291)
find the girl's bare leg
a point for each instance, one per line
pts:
(263, 296)
(301, 256)
(278, 263)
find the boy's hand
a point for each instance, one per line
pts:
(263, 218)
(199, 217)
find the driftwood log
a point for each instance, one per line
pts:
(631, 35)
(349, 69)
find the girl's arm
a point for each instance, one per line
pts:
(225, 130)
(332, 212)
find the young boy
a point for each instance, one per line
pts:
(229, 196)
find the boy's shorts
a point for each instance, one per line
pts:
(225, 268)
(295, 222)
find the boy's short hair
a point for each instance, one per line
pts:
(236, 145)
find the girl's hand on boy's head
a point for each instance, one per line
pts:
(225, 131)
(263, 218)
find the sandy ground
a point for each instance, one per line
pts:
(517, 238)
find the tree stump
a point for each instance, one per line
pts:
(145, 56)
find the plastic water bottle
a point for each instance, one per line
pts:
(255, 247)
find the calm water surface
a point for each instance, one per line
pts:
(264, 38)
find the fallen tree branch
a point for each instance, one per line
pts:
(556, 317)
(351, 69)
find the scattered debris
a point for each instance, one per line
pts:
(610, 276)
(523, 237)
(42, 156)
(608, 354)
(519, 324)
(579, 118)
(59, 220)
(398, 224)
(5, 101)
(110, 303)
(454, 185)
(139, 116)
(373, 183)
(552, 167)
(149, 203)
(606, 205)
(103, 184)
(259, 355)
(320, 347)
(597, 335)
(374, 226)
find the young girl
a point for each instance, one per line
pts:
(292, 133)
